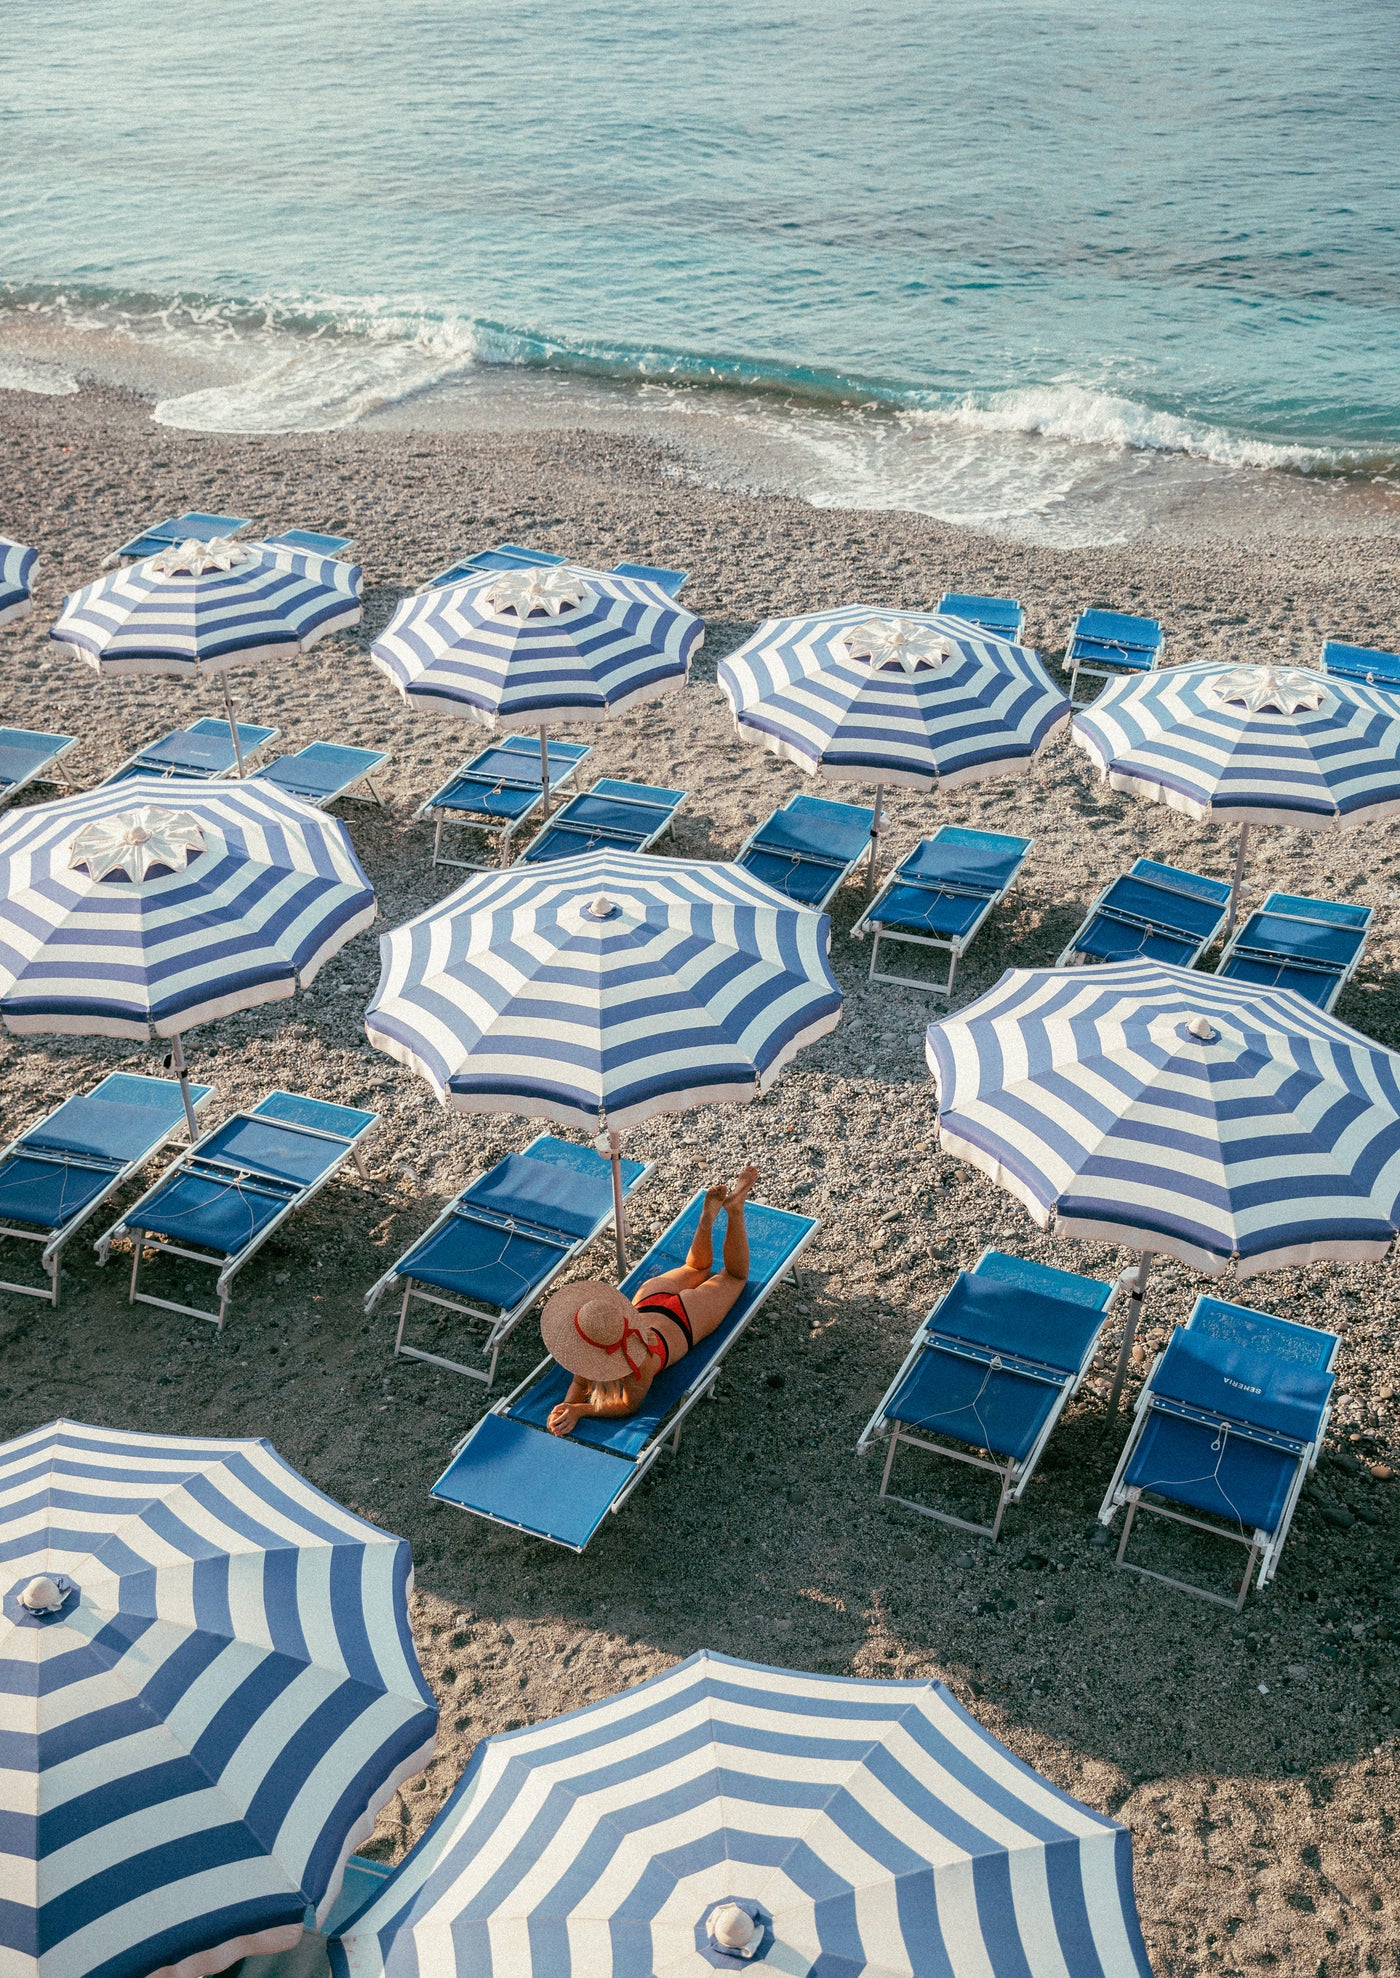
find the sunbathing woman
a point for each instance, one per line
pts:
(591, 1329)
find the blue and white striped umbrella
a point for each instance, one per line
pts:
(525, 648)
(208, 1688)
(865, 695)
(841, 1827)
(17, 567)
(1154, 1106)
(199, 608)
(1249, 744)
(150, 906)
(603, 989)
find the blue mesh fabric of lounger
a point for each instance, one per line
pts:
(1065, 1287)
(1117, 638)
(1018, 1322)
(553, 1485)
(1282, 1340)
(23, 750)
(1237, 1382)
(504, 780)
(933, 912)
(803, 848)
(1368, 663)
(1003, 615)
(972, 1402)
(1220, 1473)
(627, 815)
(1315, 984)
(271, 1164)
(100, 1133)
(1328, 947)
(986, 859)
(773, 1235)
(320, 770)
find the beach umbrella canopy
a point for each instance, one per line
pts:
(17, 567)
(604, 989)
(1249, 745)
(149, 906)
(725, 1816)
(199, 608)
(208, 1688)
(865, 695)
(1216, 1121)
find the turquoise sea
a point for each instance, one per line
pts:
(1014, 261)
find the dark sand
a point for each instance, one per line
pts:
(1253, 1758)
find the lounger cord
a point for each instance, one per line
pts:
(994, 1366)
(1222, 1437)
(498, 1263)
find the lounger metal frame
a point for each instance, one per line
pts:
(345, 792)
(955, 945)
(1262, 1547)
(54, 1242)
(500, 1324)
(668, 1435)
(38, 773)
(1104, 671)
(251, 740)
(642, 841)
(1068, 958)
(1015, 1475)
(1339, 978)
(235, 1175)
(499, 830)
(840, 873)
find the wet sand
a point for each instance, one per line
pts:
(1253, 1757)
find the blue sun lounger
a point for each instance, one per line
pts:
(513, 556)
(312, 540)
(1369, 664)
(27, 755)
(1228, 1428)
(625, 816)
(496, 1249)
(1154, 910)
(228, 1193)
(204, 752)
(1002, 617)
(939, 895)
(324, 772)
(510, 1469)
(498, 790)
(807, 848)
(60, 1171)
(193, 526)
(989, 1374)
(1292, 942)
(1106, 645)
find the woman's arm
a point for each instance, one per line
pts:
(578, 1402)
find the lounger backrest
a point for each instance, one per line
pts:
(121, 1119)
(1162, 906)
(322, 1115)
(1314, 941)
(568, 1154)
(322, 767)
(1246, 1385)
(1361, 662)
(968, 858)
(1181, 881)
(1337, 913)
(1014, 1320)
(193, 526)
(1047, 1279)
(1119, 628)
(545, 1192)
(641, 793)
(309, 539)
(991, 614)
(670, 581)
(1285, 1339)
(23, 750)
(816, 824)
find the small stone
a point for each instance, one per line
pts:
(776, 1381)
(1063, 1612)
(1337, 1516)
(1382, 1472)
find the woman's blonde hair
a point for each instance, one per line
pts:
(608, 1391)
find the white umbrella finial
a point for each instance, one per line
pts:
(899, 645)
(732, 1929)
(536, 593)
(1271, 689)
(196, 559)
(136, 842)
(42, 1596)
(1201, 1027)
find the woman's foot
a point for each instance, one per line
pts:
(743, 1183)
(715, 1198)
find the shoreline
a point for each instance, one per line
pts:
(1259, 1799)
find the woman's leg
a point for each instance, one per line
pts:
(709, 1304)
(700, 1259)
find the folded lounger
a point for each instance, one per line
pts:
(498, 790)
(1228, 1426)
(324, 772)
(509, 1468)
(939, 895)
(1104, 645)
(808, 847)
(1369, 664)
(193, 526)
(1003, 617)
(1293, 942)
(990, 1372)
(310, 539)
(236, 1185)
(1153, 910)
(630, 816)
(204, 751)
(27, 755)
(512, 556)
(58, 1172)
(501, 1244)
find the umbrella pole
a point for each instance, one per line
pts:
(875, 828)
(176, 1062)
(1236, 884)
(544, 771)
(232, 726)
(619, 1211)
(1125, 1351)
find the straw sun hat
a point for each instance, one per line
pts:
(592, 1331)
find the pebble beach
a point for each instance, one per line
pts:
(1253, 1756)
